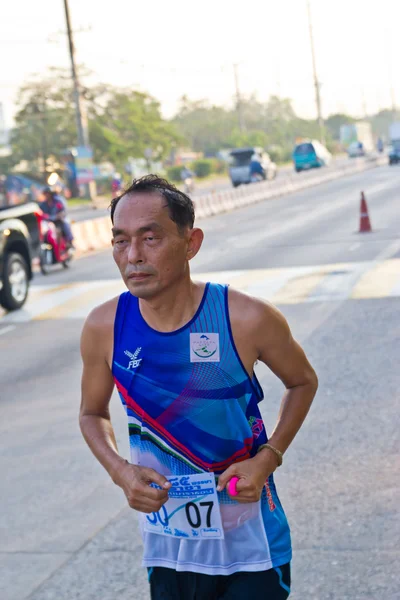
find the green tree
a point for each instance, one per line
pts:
(45, 121)
(125, 122)
(334, 122)
(205, 128)
(273, 124)
(122, 123)
(381, 122)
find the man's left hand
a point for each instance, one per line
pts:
(252, 474)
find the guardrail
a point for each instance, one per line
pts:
(95, 234)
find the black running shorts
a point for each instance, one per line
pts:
(167, 584)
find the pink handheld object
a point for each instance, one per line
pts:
(232, 486)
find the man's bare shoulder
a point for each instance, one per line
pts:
(101, 318)
(98, 331)
(252, 311)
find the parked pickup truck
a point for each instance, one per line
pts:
(19, 246)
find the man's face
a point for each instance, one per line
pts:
(150, 251)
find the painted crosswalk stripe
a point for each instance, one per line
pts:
(316, 283)
(87, 298)
(380, 281)
(298, 289)
(336, 284)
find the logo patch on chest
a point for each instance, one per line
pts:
(204, 347)
(134, 360)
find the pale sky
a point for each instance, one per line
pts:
(175, 47)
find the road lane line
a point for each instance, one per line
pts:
(62, 311)
(103, 295)
(7, 329)
(41, 304)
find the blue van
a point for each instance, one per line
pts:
(310, 154)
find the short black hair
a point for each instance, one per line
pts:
(180, 206)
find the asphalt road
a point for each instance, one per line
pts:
(66, 533)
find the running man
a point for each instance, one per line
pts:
(181, 354)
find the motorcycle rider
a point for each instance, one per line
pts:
(256, 169)
(55, 208)
(187, 177)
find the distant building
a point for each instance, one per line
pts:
(5, 149)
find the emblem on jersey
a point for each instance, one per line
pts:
(204, 347)
(135, 361)
(257, 426)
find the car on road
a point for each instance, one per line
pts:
(394, 147)
(310, 154)
(394, 152)
(239, 165)
(19, 246)
(355, 150)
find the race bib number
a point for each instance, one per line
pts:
(192, 510)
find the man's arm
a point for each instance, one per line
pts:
(284, 356)
(276, 347)
(94, 419)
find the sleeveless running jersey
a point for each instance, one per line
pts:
(193, 408)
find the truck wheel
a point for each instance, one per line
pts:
(15, 282)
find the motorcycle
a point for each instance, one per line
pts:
(188, 185)
(54, 248)
(256, 178)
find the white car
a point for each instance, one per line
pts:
(239, 169)
(355, 150)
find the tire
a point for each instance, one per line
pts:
(235, 185)
(66, 263)
(15, 282)
(46, 259)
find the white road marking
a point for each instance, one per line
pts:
(7, 329)
(287, 285)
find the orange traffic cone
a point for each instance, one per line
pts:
(365, 225)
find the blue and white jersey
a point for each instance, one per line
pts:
(192, 408)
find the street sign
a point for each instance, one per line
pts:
(84, 165)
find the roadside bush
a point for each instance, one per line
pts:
(202, 167)
(280, 154)
(219, 166)
(174, 173)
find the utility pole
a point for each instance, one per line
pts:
(316, 82)
(238, 99)
(364, 103)
(83, 136)
(81, 117)
(390, 73)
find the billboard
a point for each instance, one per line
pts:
(84, 165)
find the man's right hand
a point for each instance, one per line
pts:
(135, 482)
